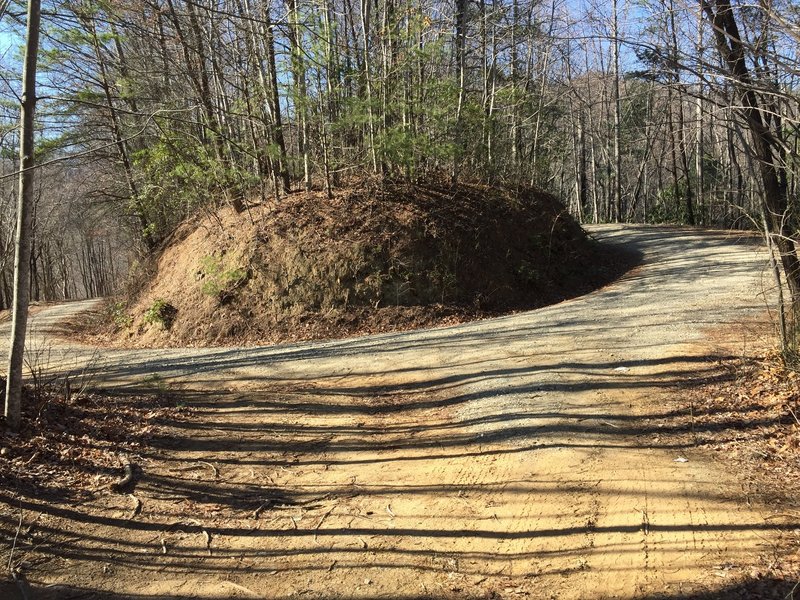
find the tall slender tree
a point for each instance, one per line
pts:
(22, 258)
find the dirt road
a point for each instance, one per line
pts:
(546, 454)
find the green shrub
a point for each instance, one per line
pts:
(162, 313)
(219, 282)
(528, 273)
(119, 315)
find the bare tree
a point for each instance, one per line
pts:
(765, 132)
(22, 259)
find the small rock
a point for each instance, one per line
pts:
(3, 451)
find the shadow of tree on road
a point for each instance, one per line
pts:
(391, 467)
(762, 589)
(215, 474)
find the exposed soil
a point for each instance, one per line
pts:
(547, 454)
(370, 260)
(210, 517)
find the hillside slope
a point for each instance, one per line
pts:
(369, 260)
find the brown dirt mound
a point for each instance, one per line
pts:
(371, 259)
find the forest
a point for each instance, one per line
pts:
(189, 187)
(149, 112)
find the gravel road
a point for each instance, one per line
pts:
(691, 283)
(531, 451)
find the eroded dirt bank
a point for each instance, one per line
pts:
(372, 259)
(544, 454)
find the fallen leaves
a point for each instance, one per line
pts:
(71, 446)
(751, 421)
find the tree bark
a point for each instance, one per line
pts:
(301, 97)
(365, 25)
(461, 35)
(682, 145)
(618, 211)
(22, 259)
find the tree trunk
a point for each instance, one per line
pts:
(300, 99)
(461, 33)
(365, 20)
(119, 142)
(273, 101)
(19, 319)
(618, 211)
(764, 141)
(682, 145)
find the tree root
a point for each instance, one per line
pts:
(127, 481)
